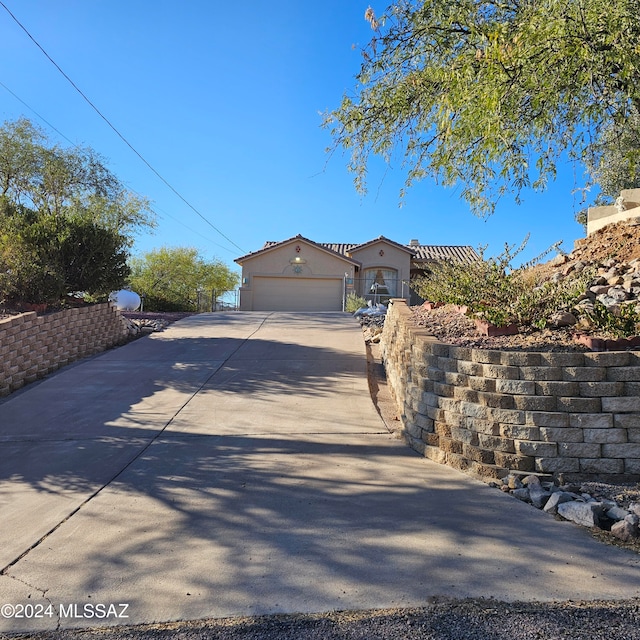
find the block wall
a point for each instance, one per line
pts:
(574, 415)
(33, 346)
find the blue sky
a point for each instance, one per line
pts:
(224, 100)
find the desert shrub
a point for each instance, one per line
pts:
(354, 302)
(493, 289)
(617, 322)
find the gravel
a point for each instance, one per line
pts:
(438, 620)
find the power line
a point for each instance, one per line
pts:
(93, 106)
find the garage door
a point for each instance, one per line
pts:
(297, 294)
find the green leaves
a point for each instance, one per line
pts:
(491, 94)
(171, 277)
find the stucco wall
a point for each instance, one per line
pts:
(599, 217)
(279, 262)
(490, 412)
(392, 258)
(33, 346)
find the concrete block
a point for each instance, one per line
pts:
(536, 448)
(465, 394)
(632, 466)
(605, 436)
(442, 429)
(535, 403)
(551, 388)
(557, 465)
(578, 450)
(469, 368)
(496, 443)
(500, 371)
(460, 353)
(455, 378)
(627, 421)
(578, 405)
(520, 432)
(584, 374)
(623, 404)
(443, 390)
(480, 383)
(482, 426)
(607, 359)
(516, 387)
(623, 374)
(436, 454)
(547, 419)
(495, 400)
(541, 373)
(431, 439)
(623, 450)
(447, 364)
(476, 454)
(514, 462)
(601, 465)
(591, 420)
(520, 358)
(464, 435)
(486, 356)
(599, 389)
(568, 434)
(508, 416)
(633, 435)
(556, 359)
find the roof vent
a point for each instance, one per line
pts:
(414, 243)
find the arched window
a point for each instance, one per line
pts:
(383, 282)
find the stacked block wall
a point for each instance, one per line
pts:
(574, 415)
(33, 346)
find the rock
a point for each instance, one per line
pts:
(521, 494)
(586, 514)
(617, 513)
(618, 294)
(537, 493)
(562, 319)
(634, 507)
(625, 531)
(558, 497)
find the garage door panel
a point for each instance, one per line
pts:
(297, 294)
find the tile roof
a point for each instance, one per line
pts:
(421, 252)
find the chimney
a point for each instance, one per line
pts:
(414, 243)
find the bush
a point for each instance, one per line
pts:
(354, 302)
(499, 293)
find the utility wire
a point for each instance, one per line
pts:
(93, 106)
(156, 210)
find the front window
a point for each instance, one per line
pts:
(381, 282)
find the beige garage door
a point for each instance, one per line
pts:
(297, 294)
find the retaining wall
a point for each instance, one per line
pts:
(33, 346)
(574, 415)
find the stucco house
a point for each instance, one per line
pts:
(299, 274)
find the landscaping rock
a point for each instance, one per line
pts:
(625, 531)
(586, 514)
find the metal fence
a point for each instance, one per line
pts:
(377, 292)
(214, 300)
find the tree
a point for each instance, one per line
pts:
(170, 278)
(491, 94)
(70, 182)
(43, 257)
(66, 222)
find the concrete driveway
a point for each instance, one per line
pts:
(234, 465)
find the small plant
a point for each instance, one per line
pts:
(622, 323)
(354, 302)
